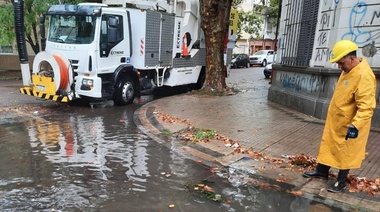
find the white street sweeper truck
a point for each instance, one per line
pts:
(102, 52)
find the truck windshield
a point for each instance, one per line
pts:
(71, 29)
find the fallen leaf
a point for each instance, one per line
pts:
(296, 193)
(208, 188)
(228, 201)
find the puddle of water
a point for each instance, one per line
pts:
(83, 159)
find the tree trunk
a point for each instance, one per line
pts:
(215, 21)
(32, 36)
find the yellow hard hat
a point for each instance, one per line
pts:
(341, 49)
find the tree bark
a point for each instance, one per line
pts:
(33, 41)
(215, 21)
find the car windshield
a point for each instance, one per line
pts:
(71, 29)
(234, 56)
(261, 53)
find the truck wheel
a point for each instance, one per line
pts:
(124, 92)
(264, 63)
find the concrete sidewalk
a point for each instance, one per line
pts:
(247, 117)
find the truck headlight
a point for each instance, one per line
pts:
(88, 82)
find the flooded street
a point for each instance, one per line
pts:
(78, 158)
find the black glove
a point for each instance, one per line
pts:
(352, 132)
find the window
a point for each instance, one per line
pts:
(6, 49)
(111, 29)
(72, 29)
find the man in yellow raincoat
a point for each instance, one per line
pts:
(349, 116)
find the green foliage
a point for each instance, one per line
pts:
(236, 3)
(269, 10)
(249, 22)
(33, 9)
(7, 24)
(204, 191)
(166, 132)
(204, 134)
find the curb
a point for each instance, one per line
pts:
(212, 155)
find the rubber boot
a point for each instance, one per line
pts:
(322, 171)
(341, 183)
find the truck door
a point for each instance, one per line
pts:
(113, 43)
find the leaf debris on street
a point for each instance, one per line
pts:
(298, 163)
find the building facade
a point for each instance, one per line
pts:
(250, 44)
(303, 79)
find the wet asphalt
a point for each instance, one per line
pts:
(252, 122)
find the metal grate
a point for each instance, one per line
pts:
(152, 38)
(166, 42)
(300, 23)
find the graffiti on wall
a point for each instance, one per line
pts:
(362, 27)
(327, 20)
(322, 52)
(357, 30)
(300, 82)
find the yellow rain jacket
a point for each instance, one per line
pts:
(353, 103)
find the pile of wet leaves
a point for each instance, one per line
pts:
(298, 163)
(206, 192)
(361, 184)
(170, 119)
(302, 160)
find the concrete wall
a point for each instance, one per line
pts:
(309, 89)
(353, 20)
(12, 62)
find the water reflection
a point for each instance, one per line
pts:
(83, 142)
(96, 160)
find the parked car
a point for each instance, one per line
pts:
(262, 57)
(240, 60)
(268, 71)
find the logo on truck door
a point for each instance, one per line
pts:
(117, 52)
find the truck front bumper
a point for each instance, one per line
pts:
(29, 91)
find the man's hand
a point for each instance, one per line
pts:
(352, 132)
